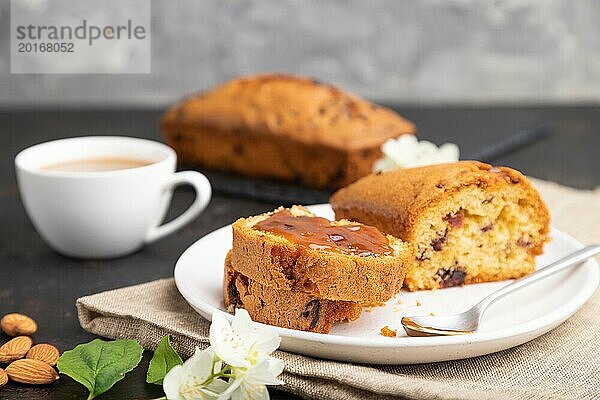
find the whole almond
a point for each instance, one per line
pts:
(3, 377)
(44, 352)
(18, 324)
(15, 348)
(33, 372)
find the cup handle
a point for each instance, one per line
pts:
(203, 195)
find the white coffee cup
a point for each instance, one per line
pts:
(104, 214)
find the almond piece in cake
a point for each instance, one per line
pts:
(292, 249)
(466, 222)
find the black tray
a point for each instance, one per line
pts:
(282, 193)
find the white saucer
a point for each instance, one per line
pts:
(514, 320)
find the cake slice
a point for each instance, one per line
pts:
(287, 309)
(292, 249)
(467, 222)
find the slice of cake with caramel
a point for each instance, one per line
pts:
(466, 222)
(284, 308)
(292, 249)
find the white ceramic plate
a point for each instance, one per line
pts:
(514, 320)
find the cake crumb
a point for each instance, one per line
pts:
(418, 303)
(431, 314)
(369, 309)
(399, 302)
(386, 331)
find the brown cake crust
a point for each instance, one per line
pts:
(398, 202)
(275, 261)
(284, 127)
(286, 309)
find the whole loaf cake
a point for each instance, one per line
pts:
(283, 127)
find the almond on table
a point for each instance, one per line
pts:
(15, 348)
(15, 324)
(32, 372)
(3, 377)
(44, 352)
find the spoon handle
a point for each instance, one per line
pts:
(568, 261)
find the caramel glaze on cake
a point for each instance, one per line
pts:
(339, 260)
(466, 222)
(319, 233)
(284, 127)
(284, 308)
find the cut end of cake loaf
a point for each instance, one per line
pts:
(284, 263)
(286, 309)
(285, 127)
(467, 222)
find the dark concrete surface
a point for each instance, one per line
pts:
(36, 281)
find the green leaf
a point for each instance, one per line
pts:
(163, 360)
(98, 365)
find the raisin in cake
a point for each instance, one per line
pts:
(467, 222)
(292, 249)
(284, 308)
(284, 127)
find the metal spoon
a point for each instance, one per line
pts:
(468, 321)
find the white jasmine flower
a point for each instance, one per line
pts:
(241, 344)
(195, 379)
(238, 364)
(249, 384)
(407, 151)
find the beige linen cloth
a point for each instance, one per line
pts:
(563, 364)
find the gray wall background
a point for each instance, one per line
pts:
(428, 51)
